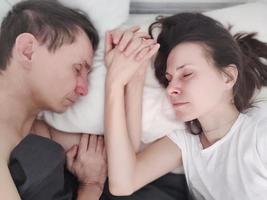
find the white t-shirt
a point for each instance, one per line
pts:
(235, 167)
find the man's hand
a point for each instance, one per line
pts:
(88, 161)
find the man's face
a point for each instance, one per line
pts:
(61, 77)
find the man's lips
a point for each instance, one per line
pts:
(72, 100)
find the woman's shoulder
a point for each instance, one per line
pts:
(260, 131)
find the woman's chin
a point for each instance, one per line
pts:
(184, 117)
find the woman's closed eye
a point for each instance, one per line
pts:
(187, 75)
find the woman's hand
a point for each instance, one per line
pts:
(121, 38)
(88, 160)
(125, 63)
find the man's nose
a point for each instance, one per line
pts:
(82, 86)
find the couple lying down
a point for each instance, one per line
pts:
(210, 78)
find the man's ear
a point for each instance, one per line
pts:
(24, 47)
(230, 74)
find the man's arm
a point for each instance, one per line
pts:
(8, 190)
(85, 158)
(89, 164)
(66, 140)
(90, 192)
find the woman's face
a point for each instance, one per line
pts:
(196, 87)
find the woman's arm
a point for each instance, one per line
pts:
(128, 172)
(134, 99)
(133, 96)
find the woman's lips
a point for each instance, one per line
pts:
(179, 104)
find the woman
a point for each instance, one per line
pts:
(210, 77)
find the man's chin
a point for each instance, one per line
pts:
(62, 110)
(59, 109)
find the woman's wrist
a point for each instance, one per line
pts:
(136, 84)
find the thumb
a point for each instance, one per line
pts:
(70, 154)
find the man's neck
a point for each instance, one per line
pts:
(17, 113)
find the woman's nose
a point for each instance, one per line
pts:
(173, 90)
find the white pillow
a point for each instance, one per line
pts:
(4, 7)
(105, 14)
(158, 117)
(87, 115)
(249, 17)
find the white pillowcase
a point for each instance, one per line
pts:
(158, 119)
(249, 17)
(158, 116)
(4, 7)
(105, 14)
(87, 115)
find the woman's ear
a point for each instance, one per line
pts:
(230, 74)
(24, 47)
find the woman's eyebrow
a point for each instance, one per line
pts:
(182, 66)
(178, 68)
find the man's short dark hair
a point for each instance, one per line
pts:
(49, 21)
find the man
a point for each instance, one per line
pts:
(45, 57)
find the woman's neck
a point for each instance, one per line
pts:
(217, 124)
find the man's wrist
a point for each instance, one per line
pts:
(92, 184)
(95, 187)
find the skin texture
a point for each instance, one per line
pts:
(194, 80)
(199, 90)
(62, 77)
(38, 79)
